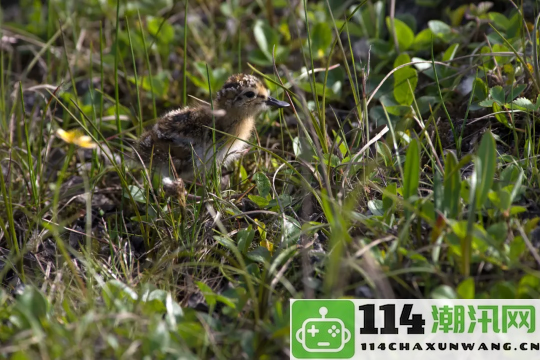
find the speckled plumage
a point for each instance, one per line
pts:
(185, 135)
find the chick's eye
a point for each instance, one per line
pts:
(250, 94)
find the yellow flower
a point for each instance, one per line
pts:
(77, 138)
(267, 244)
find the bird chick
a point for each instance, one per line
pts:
(185, 137)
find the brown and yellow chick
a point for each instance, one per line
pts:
(186, 134)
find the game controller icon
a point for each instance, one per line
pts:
(323, 335)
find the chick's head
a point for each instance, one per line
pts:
(246, 95)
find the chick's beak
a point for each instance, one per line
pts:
(275, 102)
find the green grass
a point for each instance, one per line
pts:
(385, 179)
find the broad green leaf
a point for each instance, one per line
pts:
(422, 40)
(158, 337)
(501, 199)
(284, 201)
(244, 239)
(499, 20)
(528, 287)
(291, 230)
(465, 289)
(266, 38)
(452, 186)
(33, 304)
(480, 89)
(226, 242)
(381, 48)
(376, 207)
(384, 151)
(450, 53)
(441, 30)
(486, 102)
(500, 115)
(525, 104)
(259, 255)
(503, 290)
(405, 36)
(498, 231)
(501, 60)
(514, 210)
(485, 165)
(161, 29)
(321, 39)
(225, 300)
(263, 184)
(158, 83)
(137, 193)
(207, 292)
(443, 292)
(515, 92)
(331, 159)
(497, 94)
(427, 102)
(259, 200)
(456, 16)
(412, 170)
(405, 80)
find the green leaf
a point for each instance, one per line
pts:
(427, 102)
(266, 38)
(498, 231)
(422, 41)
(501, 60)
(259, 255)
(441, 30)
(161, 29)
(501, 116)
(486, 102)
(515, 92)
(259, 200)
(388, 202)
(525, 104)
(137, 193)
(207, 292)
(225, 300)
(480, 89)
(291, 230)
(499, 20)
(159, 83)
(404, 93)
(514, 210)
(384, 151)
(405, 36)
(263, 184)
(244, 239)
(450, 53)
(331, 159)
(32, 304)
(465, 289)
(452, 186)
(321, 39)
(443, 292)
(284, 200)
(486, 162)
(376, 207)
(412, 170)
(497, 94)
(380, 48)
(226, 242)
